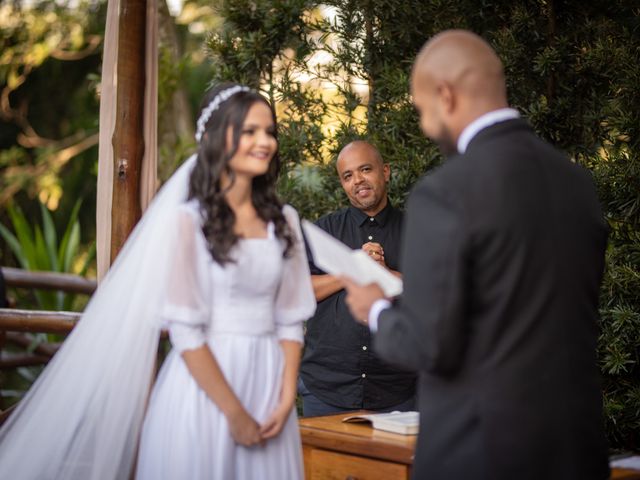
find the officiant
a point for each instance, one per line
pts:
(339, 370)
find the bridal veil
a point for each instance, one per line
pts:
(82, 417)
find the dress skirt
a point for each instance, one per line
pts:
(186, 437)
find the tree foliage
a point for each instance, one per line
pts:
(50, 65)
(339, 71)
(45, 45)
(49, 79)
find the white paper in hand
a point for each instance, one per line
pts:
(336, 258)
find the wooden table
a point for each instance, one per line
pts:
(624, 474)
(336, 450)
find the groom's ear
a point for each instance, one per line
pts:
(446, 98)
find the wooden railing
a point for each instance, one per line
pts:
(64, 282)
(35, 321)
(17, 325)
(39, 320)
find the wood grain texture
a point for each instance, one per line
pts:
(624, 474)
(128, 135)
(37, 321)
(336, 450)
(327, 465)
(65, 282)
(329, 432)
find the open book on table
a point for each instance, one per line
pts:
(335, 258)
(631, 462)
(405, 423)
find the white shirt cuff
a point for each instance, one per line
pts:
(377, 307)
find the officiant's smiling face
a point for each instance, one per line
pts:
(364, 176)
(257, 144)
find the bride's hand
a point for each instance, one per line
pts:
(244, 429)
(274, 424)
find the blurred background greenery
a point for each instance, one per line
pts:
(336, 70)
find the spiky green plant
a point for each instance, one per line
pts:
(38, 249)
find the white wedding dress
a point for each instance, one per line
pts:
(81, 419)
(241, 311)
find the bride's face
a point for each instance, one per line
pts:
(257, 144)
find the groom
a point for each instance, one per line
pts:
(499, 315)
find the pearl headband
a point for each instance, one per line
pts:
(223, 96)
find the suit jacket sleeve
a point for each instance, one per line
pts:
(425, 329)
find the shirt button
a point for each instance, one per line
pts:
(364, 347)
(364, 375)
(371, 219)
(370, 237)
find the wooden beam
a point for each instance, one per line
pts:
(9, 360)
(37, 321)
(25, 341)
(128, 136)
(66, 282)
(43, 321)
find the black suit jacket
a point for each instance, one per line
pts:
(502, 260)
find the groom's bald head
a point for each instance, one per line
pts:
(456, 77)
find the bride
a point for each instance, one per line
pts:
(218, 262)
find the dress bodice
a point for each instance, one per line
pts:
(243, 292)
(259, 292)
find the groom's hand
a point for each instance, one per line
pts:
(360, 298)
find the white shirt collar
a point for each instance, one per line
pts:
(482, 122)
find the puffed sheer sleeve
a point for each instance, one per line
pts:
(295, 301)
(186, 310)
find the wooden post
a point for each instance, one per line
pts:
(128, 136)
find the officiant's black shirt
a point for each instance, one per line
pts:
(338, 365)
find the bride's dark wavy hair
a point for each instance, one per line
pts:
(213, 160)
